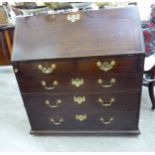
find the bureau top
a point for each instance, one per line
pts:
(78, 34)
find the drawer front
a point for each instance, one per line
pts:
(82, 83)
(83, 121)
(83, 102)
(115, 64)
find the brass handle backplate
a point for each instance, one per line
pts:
(47, 70)
(55, 105)
(57, 122)
(81, 117)
(54, 84)
(109, 121)
(77, 82)
(108, 104)
(102, 84)
(106, 66)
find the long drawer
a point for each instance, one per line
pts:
(82, 102)
(84, 121)
(82, 83)
(113, 64)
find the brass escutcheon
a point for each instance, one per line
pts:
(15, 70)
(81, 117)
(77, 82)
(79, 99)
(73, 17)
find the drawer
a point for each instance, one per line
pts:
(83, 102)
(104, 65)
(82, 83)
(83, 121)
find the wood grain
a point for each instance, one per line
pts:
(104, 32)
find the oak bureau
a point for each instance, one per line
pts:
(80, 72)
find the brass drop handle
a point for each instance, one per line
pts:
(106, 66)
(54, 84)
(47, 70)
(109, 121)
(111, 83)
(57, 122)
(102, 102)
(55, 105)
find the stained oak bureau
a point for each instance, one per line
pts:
(80, 72)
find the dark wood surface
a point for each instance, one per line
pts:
(123, 83)
(122, 121)
(122, 102)
(104, 32)
(130, 63)
(75, 48)
(86, 133)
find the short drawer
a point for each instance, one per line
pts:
(83, 102)
(69, 121)
(82, 83)
(104, 65)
